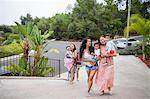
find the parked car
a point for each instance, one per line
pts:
(122, 43)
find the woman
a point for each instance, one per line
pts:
(105, 73)
(85, 54)
(74, 53)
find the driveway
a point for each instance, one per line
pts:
(132, 81)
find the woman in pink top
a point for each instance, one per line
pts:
(105, 73)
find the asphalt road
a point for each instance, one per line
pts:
(61, 46)
(53, 57)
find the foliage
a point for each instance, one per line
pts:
(1, 33)
(137, 7)
(24, 69)
(11, 38)
(42, 68)
(135, 50)
(59, 24)
(142, 27)
(43, 24)
(6, 28)
(147, 51)
(131, 50)
(25, 20)
(88, 18)
(11, 49)
(2, 38)
(91, 19)
(33, 38)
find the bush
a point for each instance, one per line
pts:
(2, 38)
(11, 49)
(13, 36)
(147, 51)
(23, 68)
(131, 50)
(1, 33)
(7, 34)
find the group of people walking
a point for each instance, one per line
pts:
(98, 62)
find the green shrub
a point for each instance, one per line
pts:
(23, 68)
(13, 36)
(1, 33)
(135, 50)
(147, 51)
(11, 49)
(2, 38)
(6, 35)
(131, 50)
(7, 42)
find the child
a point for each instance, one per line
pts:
(78, 65)
(97, 51)
(68, 60)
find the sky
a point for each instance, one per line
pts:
(11, 10)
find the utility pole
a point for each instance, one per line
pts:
(128, 21)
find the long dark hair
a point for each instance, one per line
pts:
(99, 40)
(74, 47)
(83, 46)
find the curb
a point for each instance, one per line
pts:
(29, 78)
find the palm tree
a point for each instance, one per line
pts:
(32, 38)
(36, 40)
(142, 27)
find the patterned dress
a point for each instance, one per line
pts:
(68, 60)
(105, 73)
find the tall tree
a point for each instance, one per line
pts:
(26, 19)
(59, 24)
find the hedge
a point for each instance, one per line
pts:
(131, 50)
(11, 49)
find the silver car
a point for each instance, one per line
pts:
(122, 43)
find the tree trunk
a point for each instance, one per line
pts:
(37, 56)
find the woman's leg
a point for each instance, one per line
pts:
(90, 79)
(68, 76)
(77, 73)
(88, 74)
(72, 73)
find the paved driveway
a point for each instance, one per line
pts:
(132, 81)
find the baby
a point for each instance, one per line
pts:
(68, 53)
(96, 53)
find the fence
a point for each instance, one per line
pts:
(8, 61)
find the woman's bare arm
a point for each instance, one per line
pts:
(75, 54)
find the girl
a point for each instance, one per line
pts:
(73, 68)
(68, 60)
